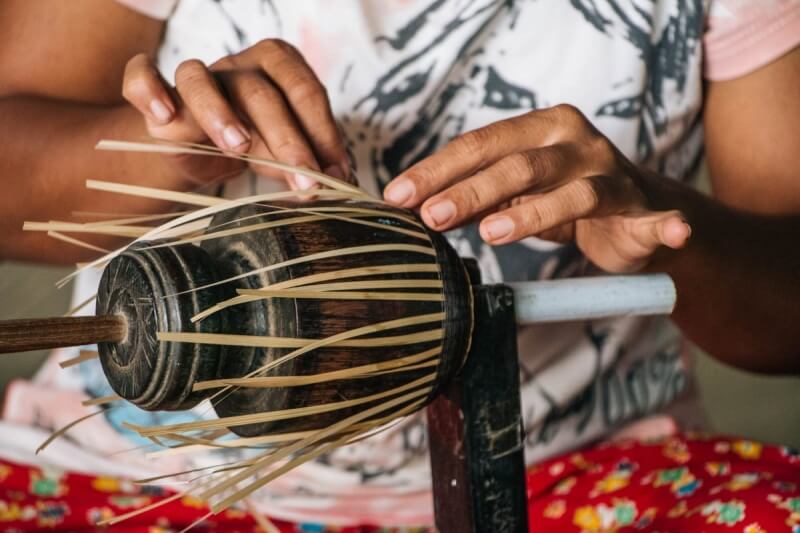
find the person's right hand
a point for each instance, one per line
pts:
(265, 101)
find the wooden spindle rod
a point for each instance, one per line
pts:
(44, 333)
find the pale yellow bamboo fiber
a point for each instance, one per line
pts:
(350, 334)
(74, 227)
(81, 305)
(190, 148)
(189, 198)
(322, 377)
(353, 250)
(325, 276)
(84, 355)
(76, 242)
(120, 518)
(262, 521)
(418, 366)
(287, 222)
(258, 341)
(162, 230)
(198, 444)
(280, 414)
(345, 295)
(129, 218)
(101, 400)
(56, 434)
(372, 328)
(271, 458)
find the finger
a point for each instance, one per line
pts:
(266, 108)
(144, 88)
(592, 196)
(652, 230)
(513, 175)
(308, 100)
(201, 95)
(476, 149)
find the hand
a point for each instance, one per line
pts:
(265, 100)
(549, 174)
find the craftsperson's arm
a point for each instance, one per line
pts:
(550, 173)
(68, 70)
(62, 65)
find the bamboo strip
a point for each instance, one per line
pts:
(129, 218)
(136, 512)
(81, 305)
(74, 227)
(76, 242)
(344, 295)
(84, 355)
(269, 459)
(189, 198)
(258, 341)
(59, 432)
(353, 250)
(280, 414)
(196, 215)
(373, 328)
(195, 149)
(426, 364)
(325, 276)
(296, 381)
(198, 444)
(101, 400)
(262, 521)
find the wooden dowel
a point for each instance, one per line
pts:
(44, 333)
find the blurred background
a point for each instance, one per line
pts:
(737, 403)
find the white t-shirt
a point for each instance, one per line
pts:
(406, 76)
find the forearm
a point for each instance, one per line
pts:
(738, 281)
(47, 154)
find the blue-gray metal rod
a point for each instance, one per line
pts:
(576, 299)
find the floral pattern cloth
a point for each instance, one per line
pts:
(676, 484)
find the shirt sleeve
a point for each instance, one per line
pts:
(744, 35)
(157, 9)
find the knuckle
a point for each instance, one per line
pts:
(586, 193)
(532, 217)
(570, 116)
(254, 89)
(135, 88)
(422, 176)
(473, 142)
(275, 46)
(521, 165)
(190, 71)
(467, 197)
(306, 92)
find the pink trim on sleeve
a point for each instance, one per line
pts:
(744, 35)
(157, 9)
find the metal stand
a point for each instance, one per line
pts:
(475, 429)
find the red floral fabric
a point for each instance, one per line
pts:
(682, 483)
(689, 483)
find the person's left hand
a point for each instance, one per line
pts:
(550, 174)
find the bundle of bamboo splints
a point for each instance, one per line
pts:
(305, 325)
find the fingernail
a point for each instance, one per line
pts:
(233, 137)
(498, 228)
(442, 212)
(400, 191)
(334, 172)
(688, 230)
(303, 182)
(160, 111)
